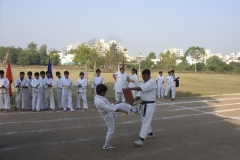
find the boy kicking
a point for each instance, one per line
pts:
(108, 111)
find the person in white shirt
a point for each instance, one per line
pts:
(44, 100)
(59, 89)
(169, 82)
(108, 111)
(173, 87)
(147, 94)
(4, 94)
(160, 85)
(121, 79)
(29, 91)
(82, 91)
(37, 92)
(49, 94)
(133, 81)
(96, 81)
(67, 92)
(21, 86)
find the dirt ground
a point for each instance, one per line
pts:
(188, 128)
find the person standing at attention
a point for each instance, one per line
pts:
(133, 81)
(82, 91)
(160, 84)
(173, 87)
(96, 81)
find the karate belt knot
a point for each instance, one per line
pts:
(145, 105)
(49, 90)
(19, 89)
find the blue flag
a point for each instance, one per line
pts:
(49, 68)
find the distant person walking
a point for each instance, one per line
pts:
(160, 85)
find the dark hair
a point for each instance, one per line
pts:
(42, 72)
(134, 70)
(160, 71)
(146, 71)
(101, 88)
(81, 73)
(98, 70)
(169, 71)
(121, 68)
(1, 72)
(172, 71)
(21, 73)
(58, 73)
(29, 73)
(66, 72)
(36, 74)
(47, 72)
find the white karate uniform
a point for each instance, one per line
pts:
(82, 93)
(37, 94)
(133, 84)
(67, 94)
(173, 87)
(49, 95)
(21, 96)
(4, 94)
(121, 82)
(29, 93)
(107, 112)
(59, 91)
(96, 81)
(44, 100)
(160, 87)
(148, 93)
(169, 81)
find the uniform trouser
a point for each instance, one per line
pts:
(59, 94)
(29, 98)
(110, 121)
(83, 96)
(44, 100)
(20, 98)
(50, 97)
(160, 91)
(36, 100)
(168, 88)
(118, 95)
(67, 100)
(147, 119)
(173, 88)
(4, 100)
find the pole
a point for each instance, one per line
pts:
(94, 67)
(86, 69)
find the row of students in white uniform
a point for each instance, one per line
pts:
(171, 84)
(38, 93)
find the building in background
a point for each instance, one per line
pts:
(72, 47)
(140, 57)
(177, 52)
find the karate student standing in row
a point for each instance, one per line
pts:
(21, 86)
(173, 87)
(160, 84)
(169, 84)
(29, 91)
(59, 89)
(82, 91)
(67, 92)
(96, 81)
(44, 100)
(148, 105)
(37, 92)
(133, 81)
(4, 94)
(49, 95)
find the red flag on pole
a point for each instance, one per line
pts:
(123, 64)
(9, 76)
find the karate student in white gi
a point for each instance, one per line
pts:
(29, 91)
(37, 92)
(148, 105)
(96, 81)
(82, 91)
(59, 89)
(121, 79)
(67, 92)
(160, 85)
(133, 81)
(173, 87)
(49, 95)
(4, 94)
(169, 82)
(44, 100)
(108, 111)
(21, 87)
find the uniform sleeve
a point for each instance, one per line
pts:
(52, 82)
(16, 83)
(115, 74)
(77, 83)
(148, 86)
(139, 94)
(45, 83)
(107, 107)
(7, 85)
(33, 84)
(57, 83)
(71, 85)
(27, 83)
(84, 85)
(93, 82)
(40, 85)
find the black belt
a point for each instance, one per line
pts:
(145, 105)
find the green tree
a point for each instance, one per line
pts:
(32, 52)
(168, 61)
(43, 54)
(146, 64)
(55, 58)
(196, 53)
(151, 55)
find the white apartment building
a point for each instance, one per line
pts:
(128, 57)
(140, 57)
(66, 59)
(72, 46)
(176, 51)
(235, 56)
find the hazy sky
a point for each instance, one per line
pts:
(143, 26)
